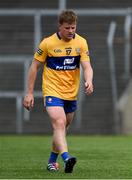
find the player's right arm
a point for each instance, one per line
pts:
(39, 59)
(28, 101)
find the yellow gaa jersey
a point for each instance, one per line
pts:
(61, 73)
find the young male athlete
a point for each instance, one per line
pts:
(61, 55)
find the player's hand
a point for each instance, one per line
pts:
(88, 87)
(28, 101)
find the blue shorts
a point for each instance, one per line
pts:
(68, 105)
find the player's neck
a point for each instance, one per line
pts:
(64, 38)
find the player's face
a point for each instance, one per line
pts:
(67, 31)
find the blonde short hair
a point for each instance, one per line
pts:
(67, 16)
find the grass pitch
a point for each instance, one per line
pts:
(99, 157)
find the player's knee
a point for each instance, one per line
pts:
(59, 124)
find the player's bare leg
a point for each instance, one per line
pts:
(72, 160)
(69, 118)
(59, 123)
(59, 144)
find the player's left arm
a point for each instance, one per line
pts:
(88, 76)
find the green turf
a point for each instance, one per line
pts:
(99, 157)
